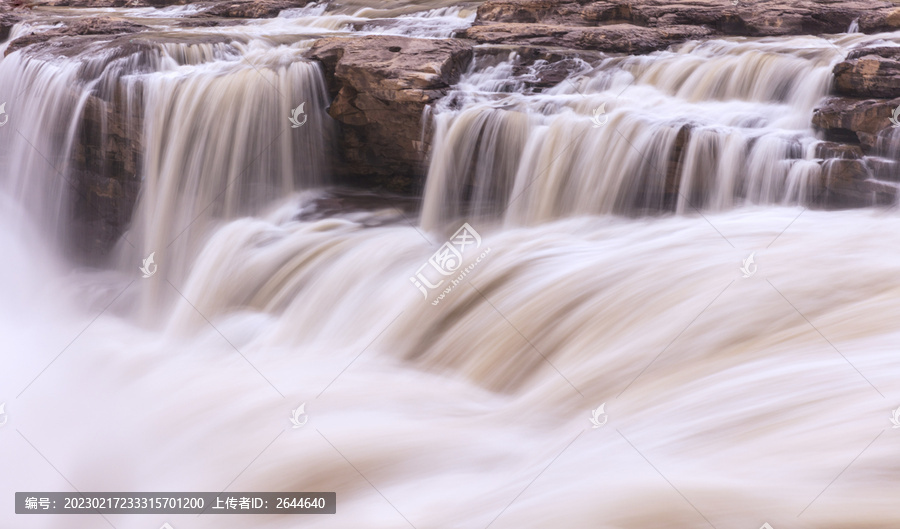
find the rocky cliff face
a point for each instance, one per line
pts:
(867, 88)
(381, 86)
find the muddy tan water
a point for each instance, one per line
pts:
(729, 401)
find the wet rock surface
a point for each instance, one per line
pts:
(869, 72)
(79, 27)
(618, 38)
(249, 8)
(381, 86)
(723, 17)
(8, 18)
(221, 8)
(855, 120)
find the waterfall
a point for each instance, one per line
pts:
(219, 144)
(744, 357)
(704, 126)
(208, 124)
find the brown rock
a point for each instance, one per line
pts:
(854, 120)
(751, 18)
(77, 27)
(849, 183)
(251, 8)
(381, 86)
(828, 149)
(113, 3)
(8, 19)
(621, 38)
(222, 8)
(869, 72)
(884, 168)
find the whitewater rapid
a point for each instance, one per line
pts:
(734, 392)
(719, 381)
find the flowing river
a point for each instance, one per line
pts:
(734, 392)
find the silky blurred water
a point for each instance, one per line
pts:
(731, 401)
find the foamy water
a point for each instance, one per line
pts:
(749, 412)
(729, 401)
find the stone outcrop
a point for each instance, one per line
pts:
(868, 87)
(83, 26)
(218, 8)
(250, 8)
(759, 17)
(854, 120)
(621, 38)
(105, 170)
(869, 72)
(640, 26)
(380, 87)
(8, 19)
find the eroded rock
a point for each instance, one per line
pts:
(8, 19)
(869, 72)
(77, 27)
(859, 121)
(251, 8)
(759, 17)
(623, 38)
(381, 86)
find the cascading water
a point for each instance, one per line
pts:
(731, 401)
(706, 126)
(201, 165)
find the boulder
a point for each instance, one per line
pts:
(869, 72)
(859, 121)
(381, 86)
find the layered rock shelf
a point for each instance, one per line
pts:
(381, 85)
